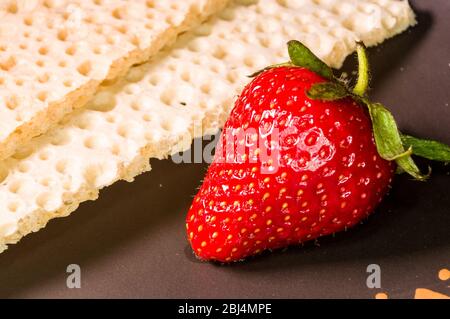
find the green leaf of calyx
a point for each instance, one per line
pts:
(428, 149)
(303, 57)
(327, 91)
(362, 83)
(388, 141)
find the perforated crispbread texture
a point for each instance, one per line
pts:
(152, 112)
(55, 53)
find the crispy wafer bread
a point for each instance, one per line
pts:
(55, 53)
(185, 92)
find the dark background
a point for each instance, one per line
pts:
(130, 242)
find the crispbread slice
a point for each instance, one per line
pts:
(185, 92)
(54, 54)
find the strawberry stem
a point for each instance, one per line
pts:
(362, 84)
(390, 143)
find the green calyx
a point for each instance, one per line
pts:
(391, 144)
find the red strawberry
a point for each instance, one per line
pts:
(323, 175)
(330, 175)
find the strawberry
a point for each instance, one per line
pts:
(297, 160)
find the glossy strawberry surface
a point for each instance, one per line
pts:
(287, 170)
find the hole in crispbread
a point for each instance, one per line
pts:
(203, 30)
(62, 35)
(135, 74)
(136, 106)
(349, 24)
(61, 166)
(102, 102)
(115, 149)
(122, 29)
(249, 61)
(154, 80)
(28, 21)
(83, 123)
(89, 19)
(49, 4)
(206, 88)
(42, 96)
(110, 118)
(8, 64)
(91, 174)
(85, 68)
(15, 186)
(13, 8)
(97, 50)
(173, 67)
(186, 76)
(118, 13)
(43, 78)
(68, 83)
(123, 131)
(214, 68)
(46, 182)
(265, 42)
(44, 199)
(147, 117)
(135, 40)
(91, 142)
(131, 89)
(170, 20)
(167, 125)
(220, 53)
(24, 167)
(44, 156)
(166, 97)
(203, 105)
(111, 40)
(60, 138)
(71, 50)
(12, 102)
(13, 207)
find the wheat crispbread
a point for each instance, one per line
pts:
(186, 91)
(55, 53)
